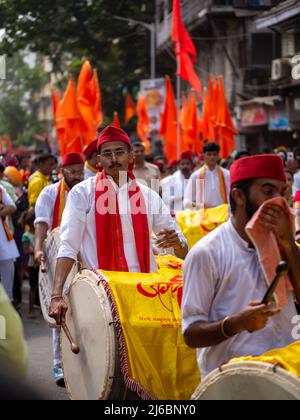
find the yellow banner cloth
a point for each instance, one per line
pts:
(288, 358)
(195, 224)
(156, 364)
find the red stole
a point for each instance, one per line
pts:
(110, 244)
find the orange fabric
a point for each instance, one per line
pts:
(143, 123)
(168, 128)
(130, 110)
(97, 100)
(68, 121)
(221, 180)
(192, 134)
(60, 203)
(9, 145)
(116, 121)
(9, 236)
(268, 249)
(87, 97)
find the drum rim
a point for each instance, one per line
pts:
(249, 368)
(95, 280)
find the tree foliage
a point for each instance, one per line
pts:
(68, 31)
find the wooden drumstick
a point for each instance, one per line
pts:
(43, 267)
(74, 347)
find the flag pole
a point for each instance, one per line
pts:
(178, 100)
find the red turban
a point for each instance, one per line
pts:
(297, 196)
(111, 133)
(90, 149)
(187, 156)
(72, 159)
(258, 166)
(173, 163)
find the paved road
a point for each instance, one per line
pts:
(38, 337)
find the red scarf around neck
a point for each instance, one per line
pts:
(110, 244)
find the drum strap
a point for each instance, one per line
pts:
(110, 244)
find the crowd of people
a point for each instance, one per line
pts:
(41, 193)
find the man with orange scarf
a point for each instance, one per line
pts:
(8, 249)
(49, 210)
(109, 219)
(209, 186)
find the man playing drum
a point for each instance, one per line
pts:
(109, 219)
(224, 282)
(48, 210)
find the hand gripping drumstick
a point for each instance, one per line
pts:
(74, 347)
(281, 272)
(43, 267)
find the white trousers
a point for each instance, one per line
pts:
(7, 274)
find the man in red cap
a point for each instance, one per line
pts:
(173, 187)
(224, 280)
(109, 219)
(90, 166)
(48, 211)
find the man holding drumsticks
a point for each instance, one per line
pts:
(224, 282)
(109, 220)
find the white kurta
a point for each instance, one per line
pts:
(173, 191)
(212, 189)
(44, 208)
(78, 227)
(88, 173)
(8, 249)
(222, 275)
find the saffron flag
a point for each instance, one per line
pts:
(116, 121)
(96, 100)
(68, 121)
(9, 145)
(185, 49)
(143, 123)
(130, 110)
(168, 128)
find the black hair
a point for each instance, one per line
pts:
(241, 154)
(2, 168)
(211, 147)
(245, 186)
(44, 157)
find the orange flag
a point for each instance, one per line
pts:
(130, 110)
(97, 99)
(1, 146)
(225, 127)
(68, 121)
(86, 103)
(143, 123)
(9, 145)
(116, 121)
(168, 129)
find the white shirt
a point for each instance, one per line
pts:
(212, 189)
(78, 227)
(44, 208)
(8, 249)
(173, 189)
(296, 185)
(88, 173)
(222, 275)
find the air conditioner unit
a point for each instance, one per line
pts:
(281, 69)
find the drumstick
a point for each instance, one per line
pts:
(43, 267)
(74, 347)
(281, 272)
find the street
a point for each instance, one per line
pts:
(39, 340)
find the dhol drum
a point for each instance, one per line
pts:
(46, 279)
(249, 381)
(93, 374)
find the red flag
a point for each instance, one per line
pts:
(130, 110)
(185, 48)
(168, 129)
(116, 121)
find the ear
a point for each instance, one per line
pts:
(239, 197)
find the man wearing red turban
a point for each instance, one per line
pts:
(48, 211)
(109, 219)
(90, 166)
(224, 279)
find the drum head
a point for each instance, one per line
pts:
(46, 280)
(249, 381)
(90, 374)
